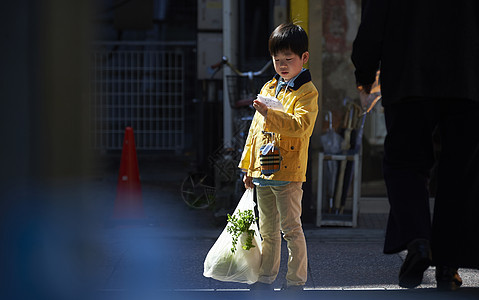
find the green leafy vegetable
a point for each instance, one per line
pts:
(240, 224)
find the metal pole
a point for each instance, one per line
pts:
(230, 50)
(227, 28)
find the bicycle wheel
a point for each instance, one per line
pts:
(195, 193)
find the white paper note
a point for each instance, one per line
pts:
(271, 102)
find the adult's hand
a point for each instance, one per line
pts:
(366, 88)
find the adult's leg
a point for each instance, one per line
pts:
(408, 159)
(289, 199)
(456, 222)
(269, 227)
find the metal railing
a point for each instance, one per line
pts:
(139, 85)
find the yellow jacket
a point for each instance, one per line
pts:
(292, 129)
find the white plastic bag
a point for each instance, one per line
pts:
(242, 265)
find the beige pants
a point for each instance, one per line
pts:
(280, 210)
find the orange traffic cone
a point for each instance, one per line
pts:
(129, 204)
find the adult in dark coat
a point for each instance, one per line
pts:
(427, 52)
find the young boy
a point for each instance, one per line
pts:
(279, 186)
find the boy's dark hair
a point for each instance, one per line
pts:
(288, 36)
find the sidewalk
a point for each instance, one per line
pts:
(165, 260)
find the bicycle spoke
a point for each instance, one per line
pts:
(192, 182)
(196, 200)
(202, 179)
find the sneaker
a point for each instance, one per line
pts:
(292, 288)
(261, 286)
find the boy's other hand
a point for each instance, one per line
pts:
(248, 182)
(260, 107)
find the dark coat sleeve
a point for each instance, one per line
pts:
(367, 46)
(426, 48)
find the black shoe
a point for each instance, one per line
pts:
(447, 278)
(417, 261)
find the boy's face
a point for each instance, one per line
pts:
(288, 64)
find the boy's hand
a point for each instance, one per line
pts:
(260, 107)
(248, 182)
